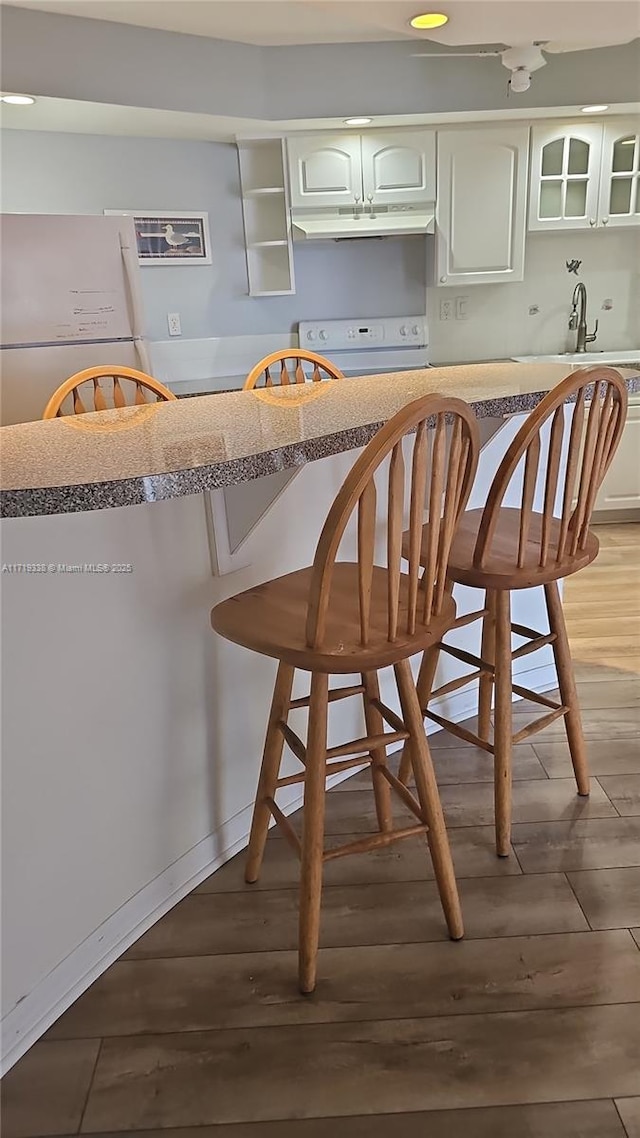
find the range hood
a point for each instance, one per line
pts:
(387, 221)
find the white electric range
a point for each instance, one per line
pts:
(361, 346)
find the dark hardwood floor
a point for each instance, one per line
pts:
(529, 1028)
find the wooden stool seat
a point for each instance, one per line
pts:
(271, 619)
(343, 617)
(498, 569)
(500, 549)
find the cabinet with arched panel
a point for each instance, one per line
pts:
(362, 171)
(619, 203)
(585, 175)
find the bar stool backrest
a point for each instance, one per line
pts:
(442, 472)
(261, 373)
(600, 400)
(114, 396)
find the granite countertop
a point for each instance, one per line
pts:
(167, 450)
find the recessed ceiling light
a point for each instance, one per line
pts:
(17, 100)
(429, 20)
(595, 109)
(359, 120)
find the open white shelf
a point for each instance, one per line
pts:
(267, 224)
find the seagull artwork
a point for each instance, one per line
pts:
(177, 242)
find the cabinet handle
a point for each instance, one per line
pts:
(605, 221)
(592, 221)
(356, 200)
(370, 200)
(443, 280)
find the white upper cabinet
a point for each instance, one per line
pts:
(481, 205)
(619, 203)
(565, 175)
(325, 170)
(584, 175)
(399, 167)
(363, 171)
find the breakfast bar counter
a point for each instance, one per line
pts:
(132, 734)
(168, 450)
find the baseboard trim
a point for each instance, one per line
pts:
(35, 1014)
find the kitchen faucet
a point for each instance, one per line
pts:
(579, 321)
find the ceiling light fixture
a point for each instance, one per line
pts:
(18, 100)
(595, 109)
(429, 20)
(359, 120)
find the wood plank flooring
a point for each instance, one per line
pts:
(530, 1026)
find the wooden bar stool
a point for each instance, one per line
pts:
(498, 549)
(139, 380)
(261, 373)
(341, 617)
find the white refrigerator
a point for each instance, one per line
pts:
(70, 300)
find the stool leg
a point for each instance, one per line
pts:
(313, 833)
(485, 685)
(375, 726)
(272, 757)
(503, 730)
(426, 677)
(429, 798)
(567, 686)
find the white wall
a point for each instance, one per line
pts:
(499, 324)
(75, 173)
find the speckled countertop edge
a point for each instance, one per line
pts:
(36, 502)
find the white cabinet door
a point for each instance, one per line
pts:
(620, 174)
(481, 205)
(621, 487)
(325, 170)
(399, 167)
(565, 176)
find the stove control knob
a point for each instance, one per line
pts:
(415, 331)
(311, 335)
(404, 330)
(323, 335)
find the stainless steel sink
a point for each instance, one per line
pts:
(583, 359)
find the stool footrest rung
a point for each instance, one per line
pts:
(334, 694)
(410, 801)
(467, 658)
(294, 742)
(453, 685)
(392, 719)
(528, 633)
(285, 825)
(533, 646)
(536, 697)
(332, 768)
(367, 744)
(539, 724)
(373, 842)
(460, 732)
(469, 618)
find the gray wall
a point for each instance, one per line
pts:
(96, 60)
(74, 173)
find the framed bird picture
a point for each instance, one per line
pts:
(169, 237)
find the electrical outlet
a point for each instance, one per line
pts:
(174, 325)
(462, 308)
(446, 309)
